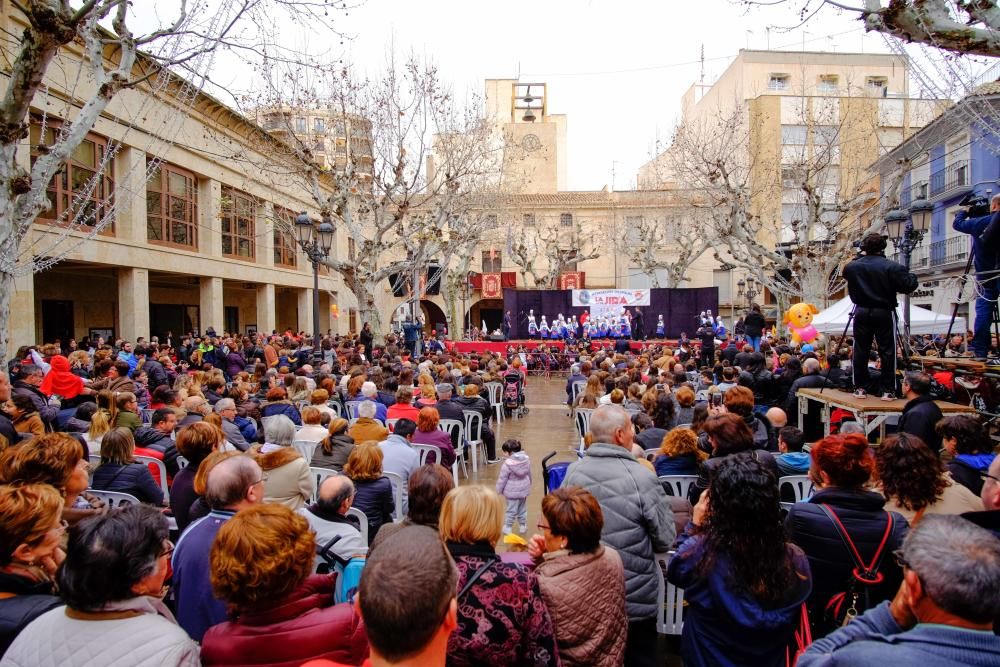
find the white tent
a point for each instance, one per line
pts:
(922, 321)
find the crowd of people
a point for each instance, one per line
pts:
(239, 554)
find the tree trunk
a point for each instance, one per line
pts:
(6, 296)
(367, 309)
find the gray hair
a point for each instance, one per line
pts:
(958, 563)
(279, 430)
(224, 404)
(366, 409)
(229, 481)
(443, 389)
(605, 420)
(334, 491)
(849, 427)
(810, 366)
(369, 389)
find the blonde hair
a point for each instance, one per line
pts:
(104, 416)
(365, 462)
(310, 415)
(471, 514)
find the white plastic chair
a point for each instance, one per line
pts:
(306, 448)
(582, 423)
(801, 484)
(679, 485)
(182, 462)
(362, 520)
(495, 390)
(651, 454)
(575, 390)
(336, 407)
(114, 498)
(669, 599)
(391, 423)
(162, 474)
(319, 476)
(397, 494)
(449, 426)
(474, 433)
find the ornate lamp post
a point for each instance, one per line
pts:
(748, 288)
(906, 229)
(315, 241)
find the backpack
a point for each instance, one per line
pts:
(511, 392)
(844, 607)
(348, 571)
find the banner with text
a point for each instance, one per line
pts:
(608, 302)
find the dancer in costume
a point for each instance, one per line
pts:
(532, 325)
(660, 328)
(543, 329)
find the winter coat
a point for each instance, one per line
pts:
(341, 446)
(638, 520)
(195, 603)
(367, 428)
(954, 500)
(30, 423)
(585, 595)
(329, 525)
(374, 497)
(289, 481)
(133, 478)
(30, 600)
(48, 413)
(156, 373)
(235, 363)
(754, 324)
(651, 438)
(514, 482)
(729, 628)
(151, 438)
(920, 415)
(281, 408)
(139, 632)
(127, 419)
(830, 560)
(502, 618)
(676, 465)
(182, 496)
(303, 626)
(402, 411)
(965, 469)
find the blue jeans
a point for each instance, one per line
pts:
(517, 510)
(985, 302)
(755, 341)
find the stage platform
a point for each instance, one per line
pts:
(478, 347)
(871, 411)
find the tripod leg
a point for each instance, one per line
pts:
(954, 312)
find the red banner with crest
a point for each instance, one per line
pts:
(492, 286)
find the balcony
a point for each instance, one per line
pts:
(949, 251)
(955, 175)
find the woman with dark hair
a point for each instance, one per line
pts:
(195, 442)
(24, 415)
(729, 434)
(425, 492)
(739, 611)
(80, 421)
(914, 481)
(843, 509)
(789, 373)
(334, 450)
(970, 447)
(113, 584)
(569, 559)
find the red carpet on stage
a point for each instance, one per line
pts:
(479, 347)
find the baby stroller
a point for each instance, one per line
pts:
(513, 395)
(554, 474)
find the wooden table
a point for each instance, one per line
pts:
(964, 364)
(871, 411)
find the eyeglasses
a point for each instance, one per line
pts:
(168, 550)
(263, 478)
(901, 559)
(983, 475)
(544, 526)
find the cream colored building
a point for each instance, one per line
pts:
(195, 246)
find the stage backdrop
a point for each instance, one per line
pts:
(680, 308)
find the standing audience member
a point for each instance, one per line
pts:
(738, 613)
(970, 447)
(281, 614)
(113, 584)
(514, 484)
(582, 581)
(233, 484)
(638, 520)
(502, 618)
(942, 613)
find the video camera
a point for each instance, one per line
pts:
(977, 203)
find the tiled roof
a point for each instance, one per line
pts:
(989, 88)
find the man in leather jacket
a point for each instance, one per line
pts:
(873, 281)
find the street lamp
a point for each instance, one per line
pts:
(907, 229)
(315, 241)
(748, 288)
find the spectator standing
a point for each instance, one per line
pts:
(514, 484)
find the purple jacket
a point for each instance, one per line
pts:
(514, 482)
(439, 439)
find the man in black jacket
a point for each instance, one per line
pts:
(872, 283)
(920, 414)
(155, 371)
(156, 436)
(29, 379)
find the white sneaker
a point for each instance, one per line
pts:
(860, 393)
(888, 396)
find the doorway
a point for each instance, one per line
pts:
(57, 320)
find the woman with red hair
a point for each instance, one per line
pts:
(428, 433)
(845, 532)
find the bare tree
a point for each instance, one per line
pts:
(667, 244)
(546, 251)
(70, 60)
(959, 26)
(399, 210)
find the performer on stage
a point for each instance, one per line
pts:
(532, 325)
(508, 325)
(660, 328)
(970, 220)
(626, 326)
(543, 329)
(872, 283)
(638, 326)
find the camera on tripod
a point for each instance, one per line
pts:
(977, 203)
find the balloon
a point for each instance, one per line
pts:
(799, 320)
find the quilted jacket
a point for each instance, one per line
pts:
(638, 520)
(585, 594)
(140, 632)
(514, 482)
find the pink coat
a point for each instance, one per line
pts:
(514, 482)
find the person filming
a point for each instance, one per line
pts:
(974, 219)
(873, 281)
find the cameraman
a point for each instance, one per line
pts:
(973, 220)
(873, 281)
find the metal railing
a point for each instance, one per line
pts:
(916, 191)
(955, 175)
(949, 251)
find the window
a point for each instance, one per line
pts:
(828, 83)
(778, 82)
(238, 224)
(319, 124)
(300, 124)
(492, 261)
(793, 135)
(284, 243)
(877, 85)
(566, 220)
(529, 220)
(172, 206)
(81, 196)
(792, 177)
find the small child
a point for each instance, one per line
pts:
(514, 484)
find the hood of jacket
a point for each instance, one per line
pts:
(519, 464)
(979, 462)
(274, 459)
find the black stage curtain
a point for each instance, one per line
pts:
(680, 308)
